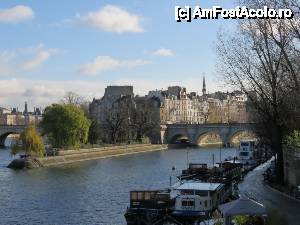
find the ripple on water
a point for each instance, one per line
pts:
(94, 192)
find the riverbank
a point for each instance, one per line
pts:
(73, 156)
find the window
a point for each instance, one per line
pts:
(187, 192)
(140, 196)
(147, 195)
(202, 193)
(244, 144)
(205, 203)
(133, 196)
(244, 153)
(188, 203)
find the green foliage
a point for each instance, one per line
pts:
(29, 142)
(65, 125)
(293, 140)
(94, 133)
(241, 220)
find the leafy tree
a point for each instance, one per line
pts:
(94, 132)
(29, 142)
(65, 125)
(293, 140)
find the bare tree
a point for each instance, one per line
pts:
(72, 98)
(118, 120)
(260, 59)
(114, 125)
(145, 117)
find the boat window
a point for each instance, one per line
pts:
(187, 192)
(244, 153)
(244, 144)
(133, 195)
(202, 193)
(187, 203)
(140, 196)
(147, 195)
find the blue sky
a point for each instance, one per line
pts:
(50, 47)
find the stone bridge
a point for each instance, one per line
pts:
(194, 132)
(6, 130)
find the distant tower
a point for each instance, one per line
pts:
(25, 109)
(204, 87)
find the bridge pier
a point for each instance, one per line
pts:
(2, 141)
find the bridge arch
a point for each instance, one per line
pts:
(179, 138)
(209, 138)
(4, 136)
(6, 130)
(239, 135)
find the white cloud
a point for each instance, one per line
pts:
(5, 68)
(163, 52)
(40, 93)
(16, 14)
(17, 60)
(113, 19)
(36, 61)
(104, 63)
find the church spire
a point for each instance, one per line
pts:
(204, 86)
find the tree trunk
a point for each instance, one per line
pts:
(277, 146)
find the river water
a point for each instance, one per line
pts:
(92, 192)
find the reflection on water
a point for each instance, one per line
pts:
(93, 192)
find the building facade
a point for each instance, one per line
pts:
(15, 117)
(99, 107)
(179, 106)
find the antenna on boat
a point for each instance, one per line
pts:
(187, 157)
(220, 156)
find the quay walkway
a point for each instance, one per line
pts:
(253, 186)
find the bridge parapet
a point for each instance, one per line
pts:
(194, 131)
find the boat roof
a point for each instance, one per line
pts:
(199, 186)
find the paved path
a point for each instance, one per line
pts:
(253, 187)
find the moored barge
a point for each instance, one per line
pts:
(197, 193)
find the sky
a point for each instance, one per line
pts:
(50, 47)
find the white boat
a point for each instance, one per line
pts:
(195, 198)
(246, 153)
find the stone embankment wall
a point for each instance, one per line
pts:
(291, 166)
(71, 156)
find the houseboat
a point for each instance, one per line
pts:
(148, 207)
(246, 153)
(198, 191)
(194, 200)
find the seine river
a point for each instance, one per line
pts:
(93, 192)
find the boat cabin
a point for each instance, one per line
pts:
(150, 199)
(246, 151)
(198, 198)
